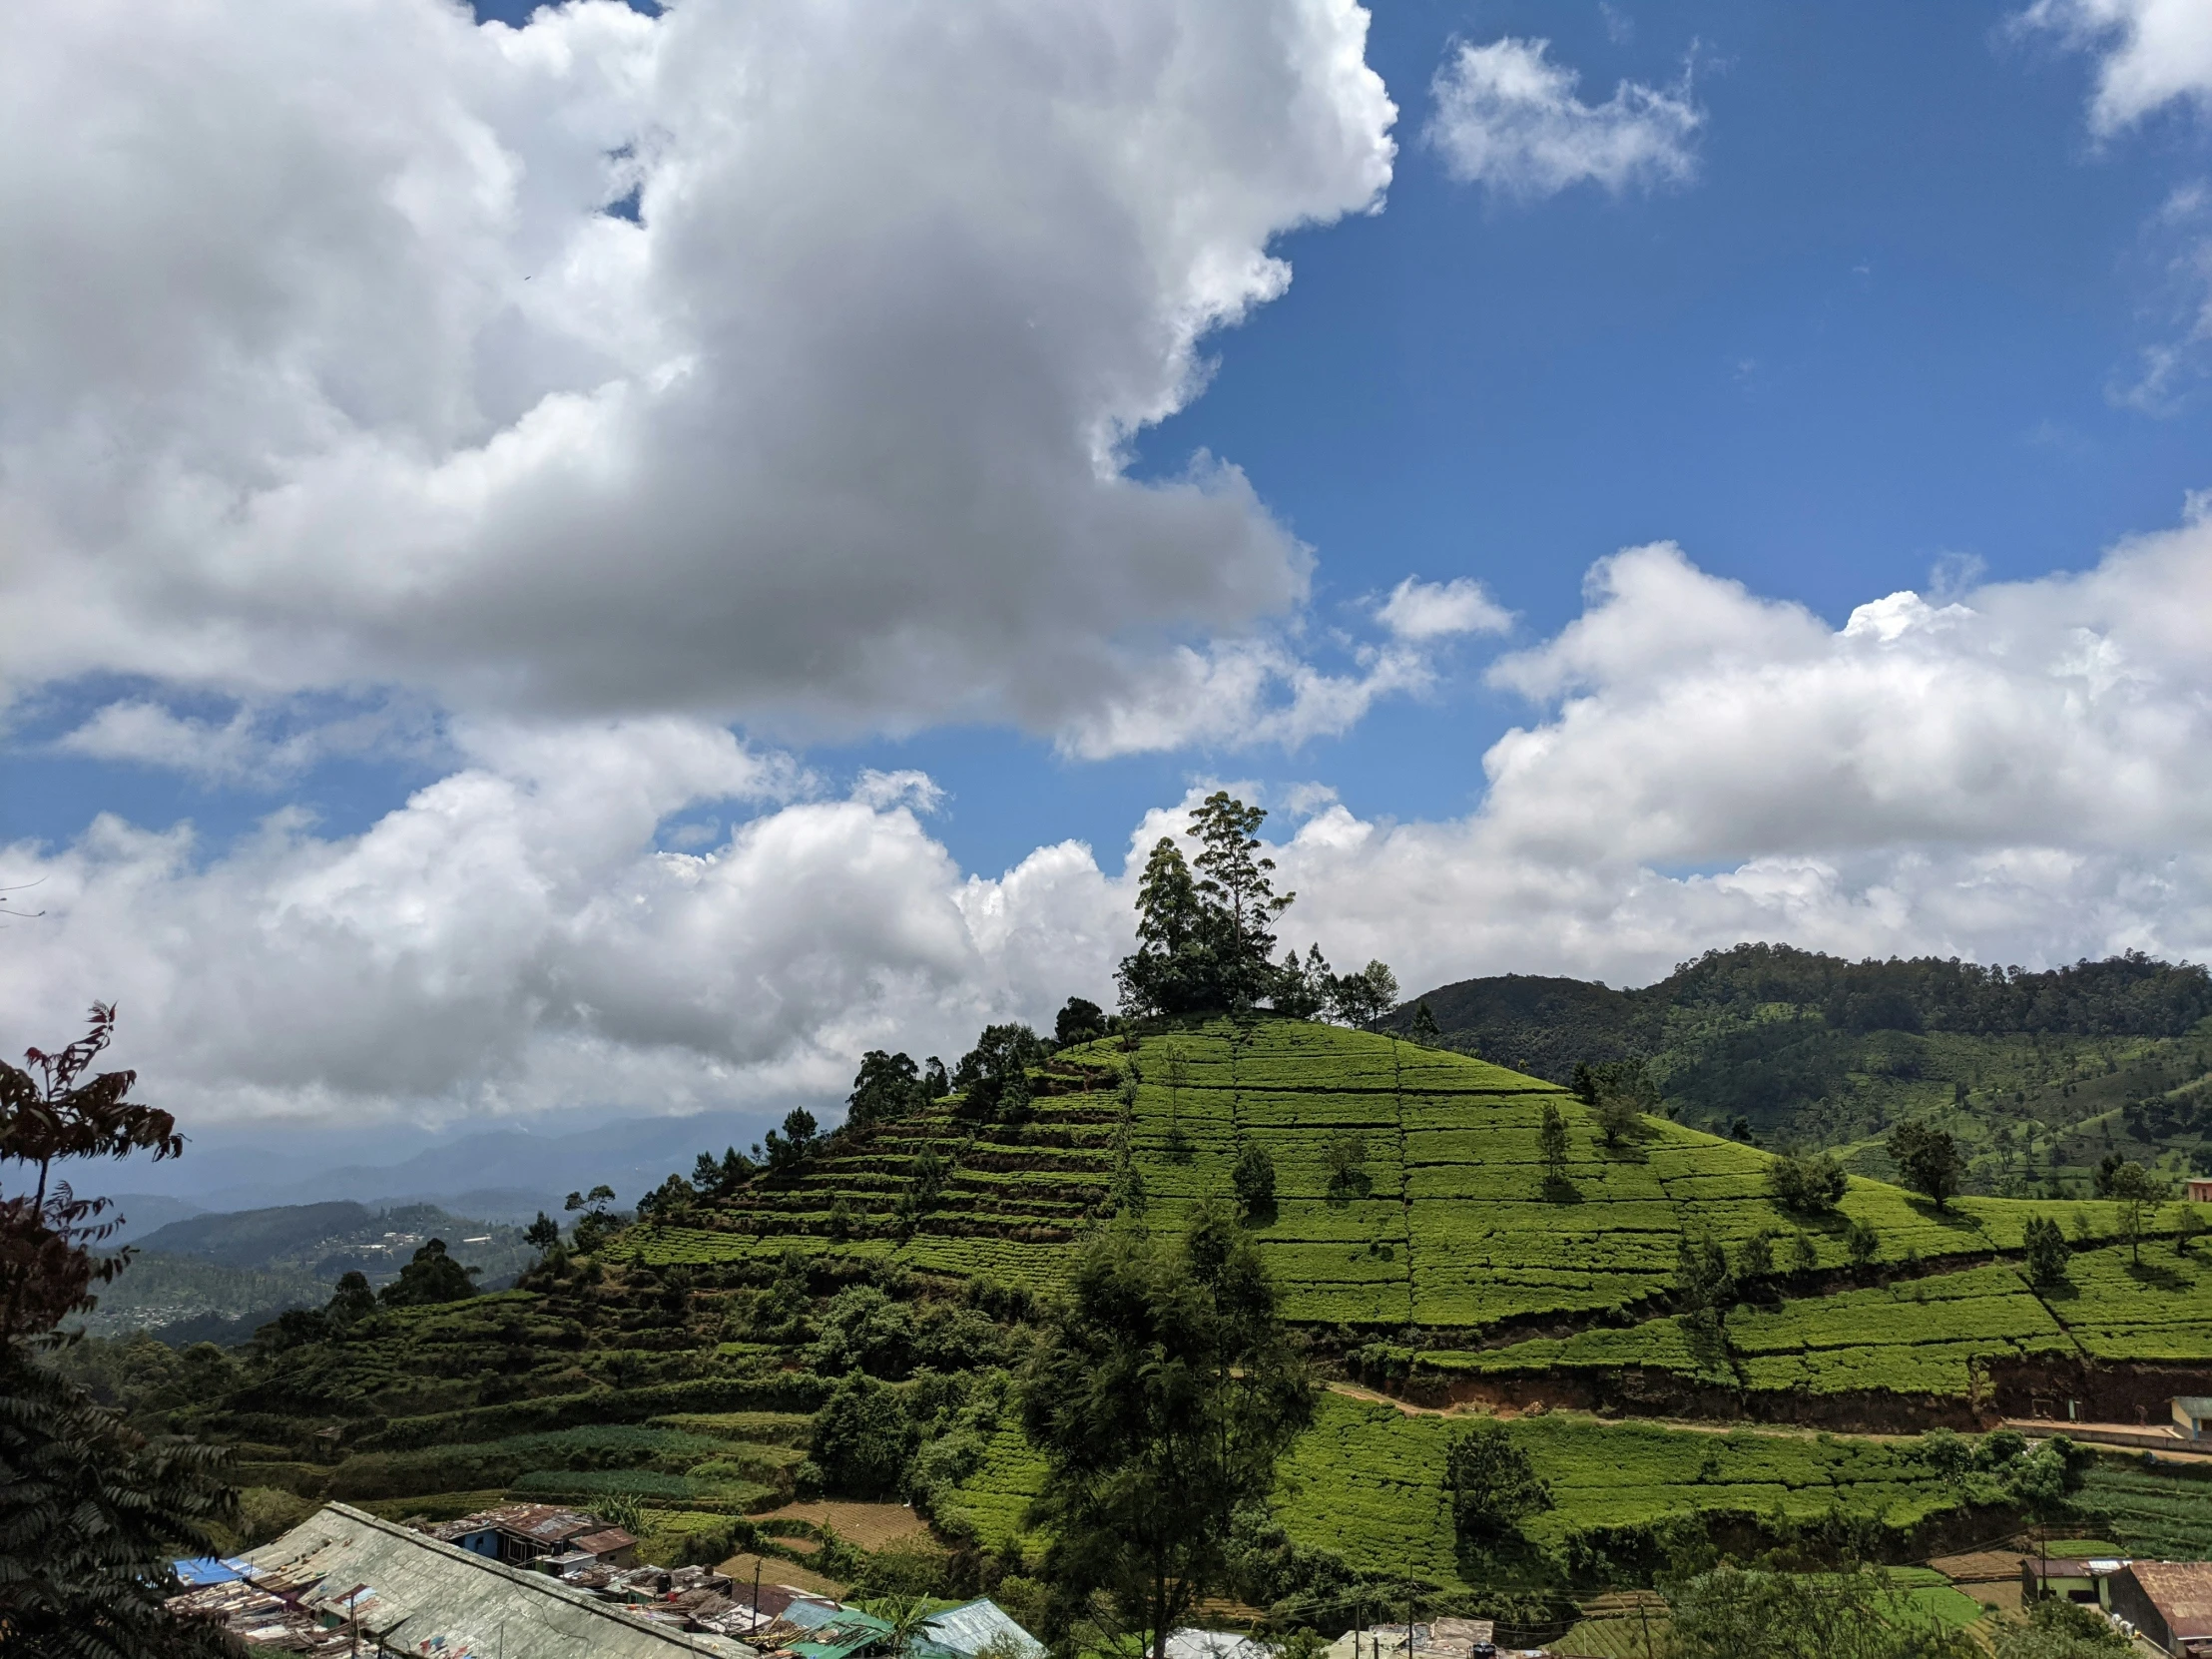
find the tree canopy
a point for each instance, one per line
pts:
(433, 1276)
(1929, 1159)
(1162, 1398)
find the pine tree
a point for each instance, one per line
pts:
(1242, 904)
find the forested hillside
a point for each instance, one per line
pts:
(217, 1277)
(2043, 1076)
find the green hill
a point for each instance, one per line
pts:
(1419, 1240)
(2040, 1075)
(1447, 1237)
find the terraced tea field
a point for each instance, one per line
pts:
(1367, 1483)
(1435, 1215)
(1917, 1336)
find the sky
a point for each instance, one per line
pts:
(604, 559)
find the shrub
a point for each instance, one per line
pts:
(2047, 1251)
(1254, 1177)
(1492, 1483)
(1810, 1186)
(862, 1439)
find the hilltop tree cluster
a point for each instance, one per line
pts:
(1206, 934)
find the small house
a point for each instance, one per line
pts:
(2200, 1190)
(2191, 1413)
(612, 1547)
(2169, 1602)
(519, 1533)
(2068, 1578)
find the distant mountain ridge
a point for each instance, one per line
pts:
(220, 1276)
(1544, 1025)
(2044, 1072)
(496, 1174)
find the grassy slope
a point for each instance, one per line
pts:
(2026, 1108)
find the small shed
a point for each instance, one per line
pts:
(2192, 1412)
(2199, 1190)
(2168, 1602)
(611, 1548)
(1193, 1643)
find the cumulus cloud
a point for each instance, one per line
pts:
(2151, 52)
(329, 367)
(509, 939)
(1239, 694)
(1506, 116)
(254, 746)
(1419, 610)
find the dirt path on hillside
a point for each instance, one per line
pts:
(1774, 1431)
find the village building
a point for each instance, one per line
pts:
(345, 1582)
(2192, 1412)
(971, 1628)
(2070, 1578)
(2169, 1603)
(519, 1533)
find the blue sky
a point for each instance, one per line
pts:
(1885, 297)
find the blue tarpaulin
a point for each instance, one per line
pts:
(207, 1569)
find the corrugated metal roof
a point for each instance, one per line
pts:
(1190, 1643)
(421, 1595)
(969, 1629)
(2182, 1593)
(846, 1632)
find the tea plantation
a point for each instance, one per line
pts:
(678, 1369)
(1443, 1224)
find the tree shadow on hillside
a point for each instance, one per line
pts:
(1953, 1219)
(1347, 1185)
(1558, 1189)
(2157, 1276)
(1510, 1559)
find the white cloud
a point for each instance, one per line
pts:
(509, 939)
(2180, 238)
(2013, 774)
(1241, 694)
(326, 368)
(2153, 52)
(1419, 610)
(253, 747)
(1506, 116)
(904, 788)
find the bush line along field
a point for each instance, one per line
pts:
(684, 1363)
